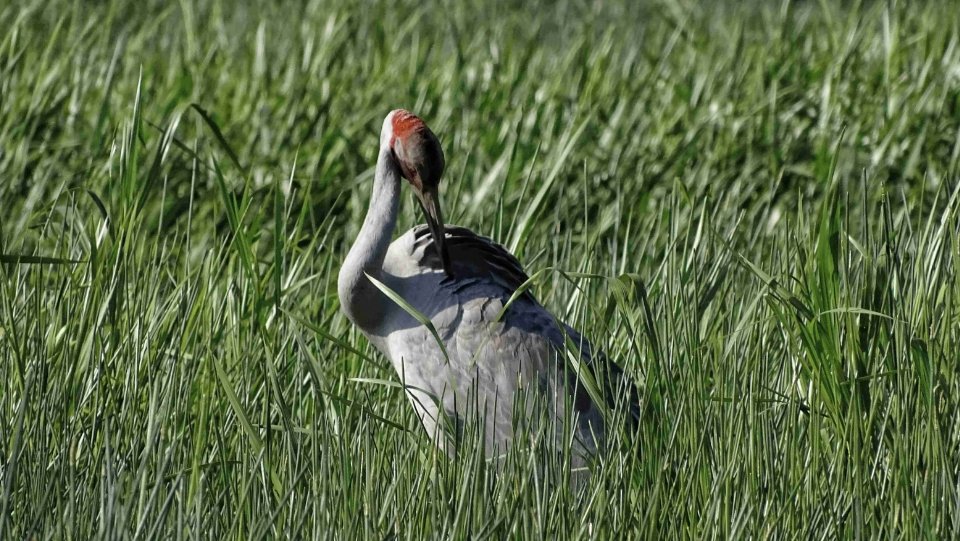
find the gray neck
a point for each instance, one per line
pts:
(363, 303)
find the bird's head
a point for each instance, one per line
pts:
(415, 148)
(420, 159)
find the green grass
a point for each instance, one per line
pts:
(767, 194)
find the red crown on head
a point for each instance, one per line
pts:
(405, 123)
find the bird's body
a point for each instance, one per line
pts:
(491, 357)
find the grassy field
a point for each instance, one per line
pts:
(777, 182)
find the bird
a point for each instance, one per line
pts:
(495, 359)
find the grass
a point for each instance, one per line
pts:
(752, 208)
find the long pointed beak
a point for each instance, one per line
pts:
(430, 201)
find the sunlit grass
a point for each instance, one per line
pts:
(754, 210)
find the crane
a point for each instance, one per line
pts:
(489, 345)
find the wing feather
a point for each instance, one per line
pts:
(473, 256)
